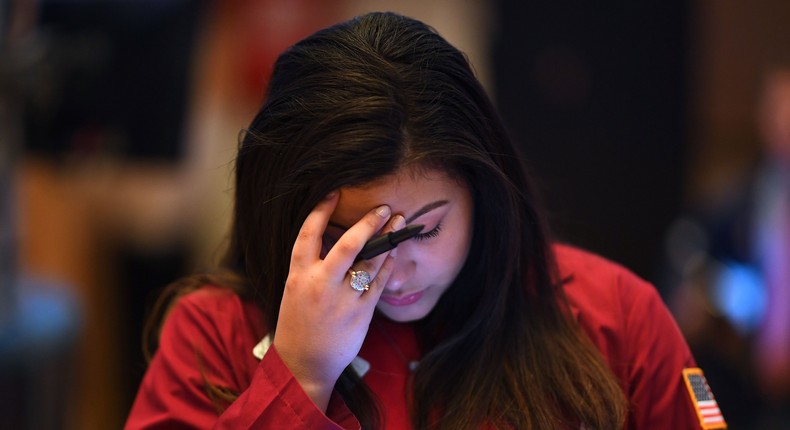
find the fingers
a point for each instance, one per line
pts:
(396, 223)
(380, 267)
(307, 247)
(379, 281)
(345, 251)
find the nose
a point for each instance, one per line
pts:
(402, 273)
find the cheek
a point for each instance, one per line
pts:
(461, 252)
(462, 240)
(459, 247)
(445, 258)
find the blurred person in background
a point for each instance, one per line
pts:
(731, 262)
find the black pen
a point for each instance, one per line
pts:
(381, 244)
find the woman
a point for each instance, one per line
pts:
(478, 322)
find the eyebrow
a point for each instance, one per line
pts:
(425, 209)
(422, 211)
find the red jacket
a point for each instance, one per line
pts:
(211, 333)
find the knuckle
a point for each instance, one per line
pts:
(306, 288)
(306, 234)
(345, 247)
(292, 282)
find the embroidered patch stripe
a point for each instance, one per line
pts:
(707, 409)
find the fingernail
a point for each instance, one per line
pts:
(383, 211)
(398, 222)
(330, 195)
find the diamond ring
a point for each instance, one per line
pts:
(360, 280)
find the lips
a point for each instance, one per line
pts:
(403, 300)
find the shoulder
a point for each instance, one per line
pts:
(625, 318)
(218, 324)
(619, 311)
(219, 308)
(218, 305)
(205, 348)
(595, 282)
(212, 300)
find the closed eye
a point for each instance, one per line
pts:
(430, 234)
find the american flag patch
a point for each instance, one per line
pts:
(701, 396)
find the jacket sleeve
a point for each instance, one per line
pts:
(658, 353)
(195, 353)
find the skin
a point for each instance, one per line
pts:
(323, 321)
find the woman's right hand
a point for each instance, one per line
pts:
(323, 321)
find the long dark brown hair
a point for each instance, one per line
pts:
(360, 100)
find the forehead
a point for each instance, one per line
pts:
(405, 191)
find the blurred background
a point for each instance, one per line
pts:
(659, 132)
